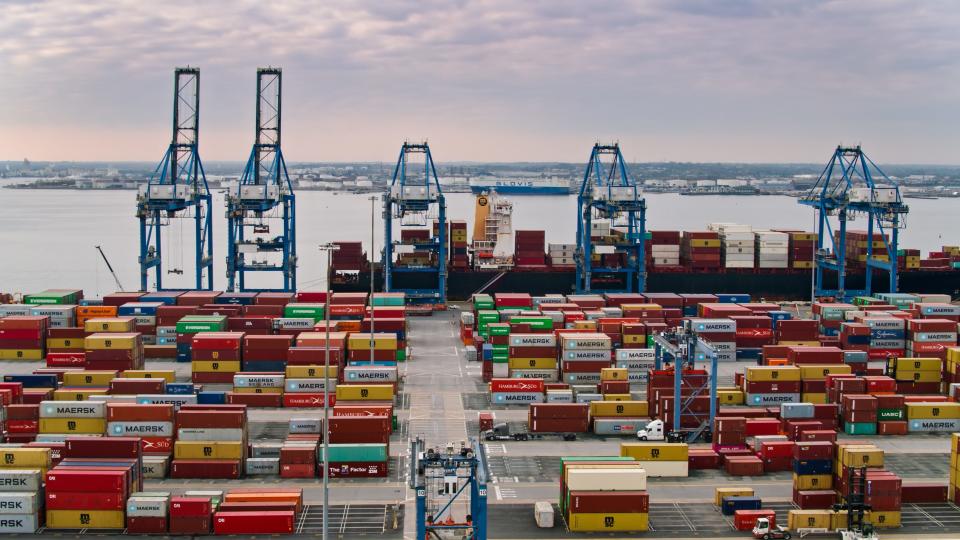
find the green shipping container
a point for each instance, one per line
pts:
(367, 453)
(192, 324)
(891, 414)
(304, 311)
(498, 330)
(536, 323)
(401, 355)
(388, 300)
(52, 297)
(860, 428)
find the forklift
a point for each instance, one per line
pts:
(855, 505)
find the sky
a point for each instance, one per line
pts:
(489, 80)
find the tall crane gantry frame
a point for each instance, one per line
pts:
(608, 192)
(849, 186)
(263, 195)
(177, 188)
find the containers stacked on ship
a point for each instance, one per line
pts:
(561, 256)
(801, 250)
(211, 442)
(529, 249)
(700, 250)
(459, 259)
(659, 459)
(215, 356)
(737, 244)
(664, 251)
(857, 249)
(349, 259)
(22, 337)
(772, 249)
(908, 259)
(603, 494)
(192, 324)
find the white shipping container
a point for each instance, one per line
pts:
(258, 381)
(585, 341)
(155, 467)
(139, 506)
(19, 524)
(666, 469)
(72, 409)
(612, 479)
(17, 502)
(550, 375)
(533, 340)
(772, 264)
(19, 480)
(262, 466)
(739, 264)
(210, 434)
(543, 514)
(140, 429)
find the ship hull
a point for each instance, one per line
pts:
(773, 285)
(522, 190)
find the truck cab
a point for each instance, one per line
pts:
(652, 432)
(764, 531)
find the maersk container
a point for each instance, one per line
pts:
(766, 400)
(243, 380)
(25, 480)
(585, 397)
(705, 326)
(19, 523)
(310, 386)
(262, 466)
(641, 356)
(587, 355)
(72, 409)
(15, 502)
(356, 453)
(370, 374)
(533, 340)
(575, 377)
(934, 425)
(140, 429)
(520, 398)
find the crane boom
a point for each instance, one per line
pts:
(110, 267)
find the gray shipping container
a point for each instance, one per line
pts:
(265, 449)
(142, 506)
(140, 429)
(19, 480)
(519, 398)
(18, 502)
(260, 466)
(18, 524)
(155, 467)
(796, 410)
(586, 397)
(618, 426)
(305, 425)
(575, 377)
(210, 434)
(934, 424)
(766, 400)
(309, 386)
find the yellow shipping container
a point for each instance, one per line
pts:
(803, 264)
(237, 390)
(730, 397)
(639, 307)
(88, 378)
(309, 372)
(862, 457)
(110, 324)
(715, 243)
(816, 372)
(721, 492)
(799, 343)
(168, 375)
(655, 451)
(585, 325)
(381, 342)
(918, 364)
(838, 519)
(803, 236)
(365, 392)
(809, 519)
(609, 522)
(21, 354)
(73, 425)
(812, 481)
(635, 338)
(953, 353)
(64, 343)
(926, 411)
(626, 409)
(953, 476)
(816, 398)
(215, 366)
(613, 374)
(617, 397)
(208, 450)
(25, 458)
(885, 520)
(78, 394)
(532, 363)
(917, 376)
(107, 341)
(773, 373)
(85, 519)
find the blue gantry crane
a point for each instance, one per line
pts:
(685, 348)
(177, 190)
(851, 184)
(609, 193)
(263, 199)
(450, 485)
(415, 198)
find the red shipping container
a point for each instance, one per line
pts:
(517, 385)
(190, 525)
(298, 470)
(192, 418)
(72, 480)
(266, 506)
(73, 500)
(93, 447)
(559, 410)
(130, 412)
(311, 400)
(776, 449)
(762, 426)
(627, 502)
(744, 466)
(923, 492)
(745, 520)
(190, 507)
(892, 427)
(147, 525)
(137, 386)
(703, 458)
(255, 400)
(559, 425)
(814, 499)
(810, 450)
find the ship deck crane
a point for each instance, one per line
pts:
(849, 186)
(110, 267)
(450, 485)
(415, 198)
(178, 189)
(263, 198)
(608, 192)
(685, 348)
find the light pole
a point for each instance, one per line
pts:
(373, 214)
(329, 248)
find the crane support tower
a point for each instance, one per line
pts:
(415, 198)
(263, 201)
(852, 184)
(685, 348)
(177, 189)
(451, 490)
(609, 193)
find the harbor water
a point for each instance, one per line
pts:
(49, 236)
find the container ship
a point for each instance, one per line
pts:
(521, 186)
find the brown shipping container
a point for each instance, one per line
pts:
(205, 468)
(559, 410)
(600, 502)
(559, 425)
(210, 419)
